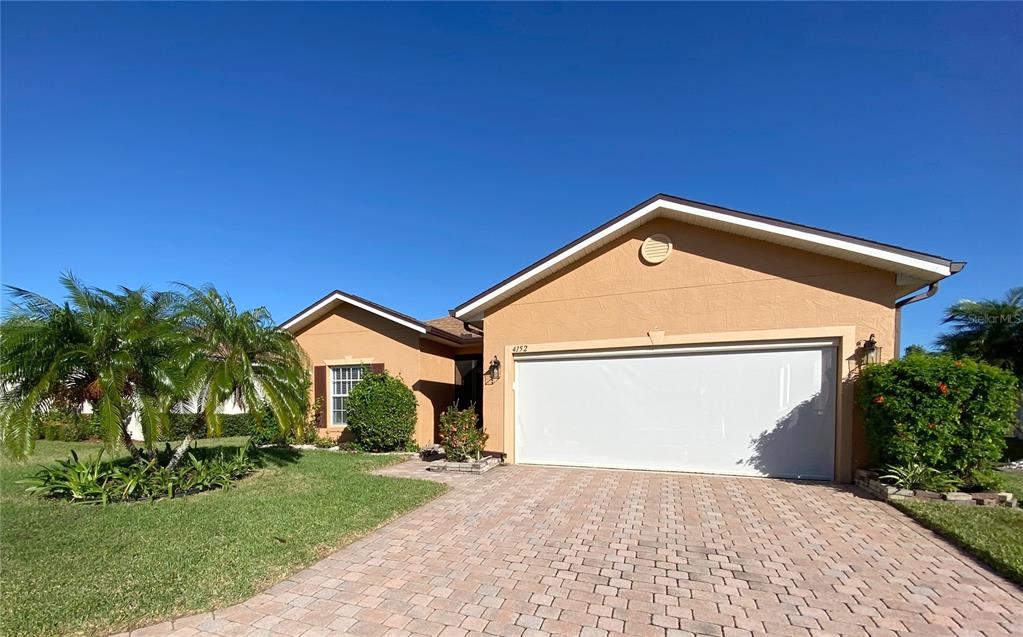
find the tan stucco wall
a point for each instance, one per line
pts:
(352, 335)
(713, 282)
(435, 388)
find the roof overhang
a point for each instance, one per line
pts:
(925, 267)
(336, 298)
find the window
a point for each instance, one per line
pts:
(342, 379)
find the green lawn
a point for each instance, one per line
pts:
(994, 534)
(86, 569)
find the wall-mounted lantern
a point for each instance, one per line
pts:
(494, 371)
(871, 351)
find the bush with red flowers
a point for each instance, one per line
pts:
(950, 414)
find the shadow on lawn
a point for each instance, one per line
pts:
(262, 456)
(276, 456)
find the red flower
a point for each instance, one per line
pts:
(878, 400)
(943, 388)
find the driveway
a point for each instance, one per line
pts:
(536, 551)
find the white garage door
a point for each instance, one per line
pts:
(767, 410)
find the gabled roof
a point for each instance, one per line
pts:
(927, 268)
(337, 297)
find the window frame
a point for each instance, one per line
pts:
(345, 386)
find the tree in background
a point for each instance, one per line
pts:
(989, 330)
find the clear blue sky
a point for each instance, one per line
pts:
(281, 150)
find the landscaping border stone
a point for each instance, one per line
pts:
(870, 482)
(481, 466)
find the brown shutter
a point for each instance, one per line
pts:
(320, 393)
(376, 368)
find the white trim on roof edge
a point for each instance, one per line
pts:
(793, 233)
(347, 299)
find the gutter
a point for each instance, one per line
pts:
(954, 268)
(931, 290)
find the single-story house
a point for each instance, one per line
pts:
(344, 335)
(676, 336)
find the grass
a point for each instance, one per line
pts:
(86, 569)
(993, 534)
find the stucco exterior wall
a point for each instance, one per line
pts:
(351, 336)
(713, 282)
(435, 389)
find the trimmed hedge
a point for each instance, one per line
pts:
(230, 425)
(381, 413)
(949, 414)
(74, 427)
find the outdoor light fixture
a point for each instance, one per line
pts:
(871, 351)
(494, 371)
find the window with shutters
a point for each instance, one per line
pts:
(342, 379)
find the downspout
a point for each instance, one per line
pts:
(931, 290)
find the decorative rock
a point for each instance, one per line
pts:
(956, 496)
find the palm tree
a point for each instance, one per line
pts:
(989, 330)
(113, 350)
(241, 356)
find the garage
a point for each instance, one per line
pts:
(764, 409)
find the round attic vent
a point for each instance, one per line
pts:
(656, 248)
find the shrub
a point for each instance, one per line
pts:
(66, 425)
(245, 424)
(381, 412)
(948, 414)
(323, 442)
(94, 481)
(463, 440)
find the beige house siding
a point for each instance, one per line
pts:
(435, 389)
(350, 335)
(713, 282)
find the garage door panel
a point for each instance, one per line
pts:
(742, 412)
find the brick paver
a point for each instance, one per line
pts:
(542, 551)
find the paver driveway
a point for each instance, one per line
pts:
(535, 551)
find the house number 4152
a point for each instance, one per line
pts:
(519, 348)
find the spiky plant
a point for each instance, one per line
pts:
(113, 350)
(238, 355)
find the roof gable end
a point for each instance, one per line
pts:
(338, 297)
(921, 266)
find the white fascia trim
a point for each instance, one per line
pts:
(346, 299)
(650, 208)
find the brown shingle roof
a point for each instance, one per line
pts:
(454, 326)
